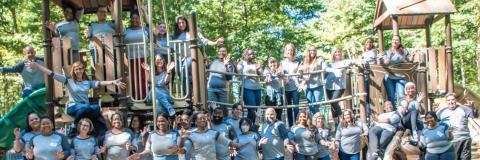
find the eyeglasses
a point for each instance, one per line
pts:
(312, 50)
(78, 69)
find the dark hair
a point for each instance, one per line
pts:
(236, 105)
(433, 114)
(164, 115)
(245, 120)
(67, 5)
(176, 28)
(187, 112)
(46, 117)
(134, 12)
(220, 109)
(140, 119)
(29, 128)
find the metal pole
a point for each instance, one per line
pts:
(449, 50)
(152, 63)
(47, 46)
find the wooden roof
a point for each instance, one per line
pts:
(90, 6)
(411, 13)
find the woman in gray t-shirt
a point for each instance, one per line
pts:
(305, 137)
(326, 141)
(249, 137)
(348, 136)
(84, 145)
(69, 27)
(436, 138)
(24, 137)
(48, 144)
(313, 83)
(118, 142)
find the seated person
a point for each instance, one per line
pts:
(32, 78)
(410, 107)
(162, 78)
(385, 127)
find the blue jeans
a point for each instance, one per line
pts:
(217, 95)
(252, 97)
(395, 90)
(327, 157)
(292, 97)
(314, 95)
(447, 155)
(345, 156)
(91, 112)
(27, 91)
(298, 156)
(187, 68)
(164, 101)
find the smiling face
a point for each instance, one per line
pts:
(135, 21)
(369, 44)
(451, 102)
(117, 121)
(302, 118)
(102, 14)
(396, 41)
(85, 127)
(136, 123)
(272, 64)
(237, 112)
(162, 123)
(161, 29)
(410, 90)
(222, 53)
(312, 52)
(34, 121)
(430, 121)
(270, 115)
(320, 122)
(251, 55)
(337, 55)
(46, 126)
(68, 14)
(79, 70)
(29, 52)
(388, 106)
(347, 116)
(182, 24)
(289, 51)
(201, 121)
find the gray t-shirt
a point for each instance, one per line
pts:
(216, 80)
(235, 123)
(277, 135)
(204, 143)
(46, 147)
(307, 140)
(84, 149)
(115, 145)
(249, 151)
(248, 68)
(158, 145)
(134, 38)
(100, 29)
(370, 56)
(457, 119)
(335, 75)
(77, 90)
(393, 118)
(290, 67)
(412, 106)
(69, 29)
(397, 58)
(314, 80)
(349, 137)
(225, 130)
(161, 83)
(436, 139)
(34, 78)
(324, 135)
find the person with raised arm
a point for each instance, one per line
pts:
(84, 145)
(274, 89)
(161, 81)
(348, 136)
(33, 79)
(275, 137)
(217, 83)
(23, 137)
(252, 91)
(118, 140)
(410, 108)
(69, 27)
(437, 139)
(78, 86)
(100, 28)
(48, 144)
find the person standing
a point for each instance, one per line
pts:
(436, 138)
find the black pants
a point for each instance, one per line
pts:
(410, 121)
(463, 149)
(333, 94)
(379, 138)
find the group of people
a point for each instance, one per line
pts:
(221, 135)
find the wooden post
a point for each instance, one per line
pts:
(449, 50)
(395, 28)
(47, 46)
(361, 89)
(348, 89)
(422, 84)
(380, 39)
(198, 70)
(117, 16)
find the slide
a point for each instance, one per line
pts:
(16, 117)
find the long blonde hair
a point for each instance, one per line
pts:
(344, 123)
(307, 60)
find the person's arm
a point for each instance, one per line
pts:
(65, 145)
(146, 151)
(117, 82)
(79, 14)
(17, 68)
(18, 143)
(56, 76)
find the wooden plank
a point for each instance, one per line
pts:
(100, 61)
(57, 67)
(432, 70)
(110, 62)
(442, 70)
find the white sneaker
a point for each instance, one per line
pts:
(171, 112)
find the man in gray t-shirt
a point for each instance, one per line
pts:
(385, 127)
(32, 78)
(457, 117)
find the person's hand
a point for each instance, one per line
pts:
(119, 83)
(268, 78)
(134, 156)
(130, 147)
(103, 149)
(86, 32)
(297, 147)
(184, 133)
(144, 131)
(436, 106)
(173, 149)
(170, 66)
(220, 41)
(50, 26)
(300, 87)
(420, 97)
(29, 152)
(146, 67)
(233, 152)
(60, 155)
(289, 148)
(263, 141)
(226, 60)
(16, 132)
(258, 66)
(31, 64)
(71, 158)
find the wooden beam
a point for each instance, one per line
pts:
(408, 4)
(380, 39)
(395, 27)
(449, 50)
(47, 48)
(380, 19)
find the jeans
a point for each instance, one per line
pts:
(463, 149)
(327, 157)
(217, 95)
(395, 90)
(314, 95)
(379, 138)
(186, 70)
(447, 155)
(27, 91)
(345, 156)
(91, 112)
(298, 156)
(334, 94)
(252, 97)
(164, 101)
(411, 121)
(292, 97)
